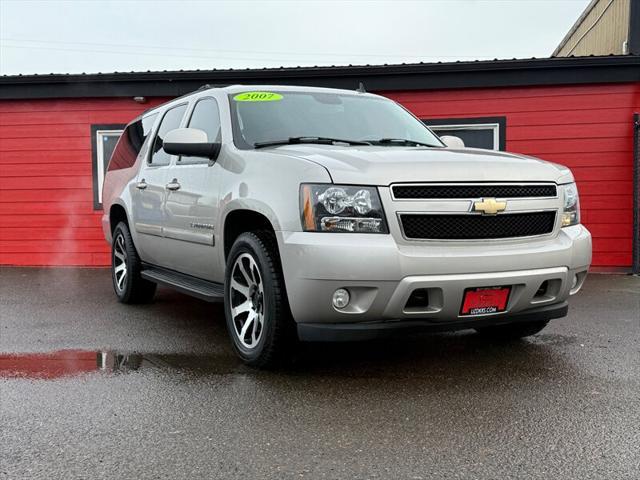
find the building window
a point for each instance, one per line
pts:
(479, 132)
(103, 142)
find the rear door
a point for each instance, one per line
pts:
(150, 193)
(192, 205)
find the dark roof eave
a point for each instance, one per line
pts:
(421, 76)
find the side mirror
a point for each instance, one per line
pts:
(452, 142)
(190, 142)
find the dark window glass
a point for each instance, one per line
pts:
(131, 141)
(205, 117)
(170, 121)
(472, 138)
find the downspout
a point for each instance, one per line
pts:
(635, 262)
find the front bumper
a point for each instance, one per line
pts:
(351, 332)
(381, 274)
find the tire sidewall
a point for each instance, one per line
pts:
(248, 243)
(122, 231)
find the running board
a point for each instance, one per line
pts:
(196, 287)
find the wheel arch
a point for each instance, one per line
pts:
(117, 214)
(242, 220)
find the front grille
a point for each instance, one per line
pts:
(476, 227)
(472, 191)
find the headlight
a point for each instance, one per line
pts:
(341, 208)
(571, 211)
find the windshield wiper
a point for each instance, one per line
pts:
(317, 140)
(402, 141)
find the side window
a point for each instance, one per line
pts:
(114, 147)
(130, 143)
(205, 117)
(170, 121)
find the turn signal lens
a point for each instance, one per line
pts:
(307, 208)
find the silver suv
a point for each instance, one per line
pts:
(320, 214)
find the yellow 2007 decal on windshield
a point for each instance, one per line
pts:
(257, 97)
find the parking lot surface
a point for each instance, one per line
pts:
(90, 388)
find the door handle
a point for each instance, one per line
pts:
(173, 185)
(141, 185)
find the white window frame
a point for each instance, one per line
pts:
(100, 160)
(495, 127)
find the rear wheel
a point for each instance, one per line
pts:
(129, 286)
(256, 308)
(512, 331)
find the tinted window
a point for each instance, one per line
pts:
(342, 116)
(130, 143)
(205, 117)
(170, 121)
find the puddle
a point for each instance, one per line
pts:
(451, 354)
(65, 363)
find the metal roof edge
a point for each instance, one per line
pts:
(414, 76)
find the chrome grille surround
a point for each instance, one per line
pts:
(449, 218)
(422, 191)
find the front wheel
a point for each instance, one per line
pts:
(512, 331)
(256, 308)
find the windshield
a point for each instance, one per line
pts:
(260, 117)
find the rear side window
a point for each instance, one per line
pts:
(205, 117)
(130, 143)
(170, 121)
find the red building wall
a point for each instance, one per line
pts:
(46, 207)
(46, 191)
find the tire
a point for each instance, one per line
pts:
(512, 331)
(256, 309)
(129, 286)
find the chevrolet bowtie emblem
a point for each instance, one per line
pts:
(489, 206)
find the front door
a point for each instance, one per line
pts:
(191, 208)
(150, 193)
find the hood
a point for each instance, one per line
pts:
(373, 165)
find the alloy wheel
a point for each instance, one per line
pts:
(120, 263)
(247, 300)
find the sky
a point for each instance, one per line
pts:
(105, 36)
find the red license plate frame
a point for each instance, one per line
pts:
(485, 300)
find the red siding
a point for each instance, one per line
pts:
(46, 209)
(588, 128)
(46, 196)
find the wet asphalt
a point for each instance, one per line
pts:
(96, 389)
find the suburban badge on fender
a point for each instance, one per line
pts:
(202, 226)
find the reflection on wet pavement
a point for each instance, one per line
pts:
(423, 356)
(66, 363)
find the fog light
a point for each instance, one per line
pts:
(340, 298)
